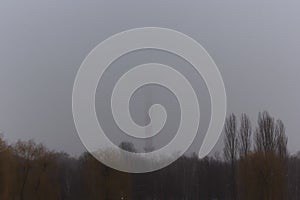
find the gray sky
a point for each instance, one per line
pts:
(42, 44)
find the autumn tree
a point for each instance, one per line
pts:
(7, 166)
(35, 171)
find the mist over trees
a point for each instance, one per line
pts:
(254, 165)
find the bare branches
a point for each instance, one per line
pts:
(230, 140)
(231, 148)
(270, 137)
(266, 165)
(245, 134)
(281, 140)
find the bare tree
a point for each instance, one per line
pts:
(281, 140)
(245, 134)
(265, 134)
(269, 158)
(270, 136)
(231, 148)
(231, 139)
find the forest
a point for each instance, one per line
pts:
(254, 165)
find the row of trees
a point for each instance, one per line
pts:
(255, 165)
(259, 169)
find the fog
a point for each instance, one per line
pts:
(255, 44)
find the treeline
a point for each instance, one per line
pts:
(255, 164)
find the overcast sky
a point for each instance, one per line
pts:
(254, 43)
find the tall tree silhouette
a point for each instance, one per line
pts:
(231, 149)
(245, 134)
(266, 168)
